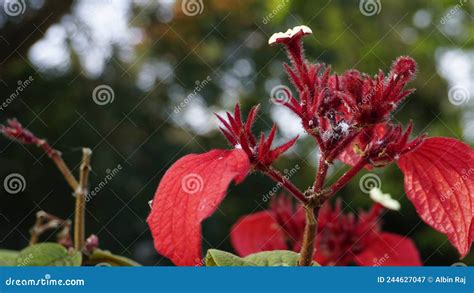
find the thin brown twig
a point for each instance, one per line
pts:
(81, 193)
(58, 160)
(45, 222)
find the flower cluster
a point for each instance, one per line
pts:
(349, 116)
(336, 109)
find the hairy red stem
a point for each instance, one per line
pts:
(276, 176)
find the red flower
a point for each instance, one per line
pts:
(348, 116)
(342, 239)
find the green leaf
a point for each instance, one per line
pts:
(48, 254)
(8, 257)
(219, 258)
(104, 257)
(275, 258)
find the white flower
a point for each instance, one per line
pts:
(289, 34)
(384, 199)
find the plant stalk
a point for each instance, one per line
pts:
(321, 175)
(57, 158)
(309, 237)
(81, 193)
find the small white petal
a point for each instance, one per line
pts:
(384, 199)
(289, 33)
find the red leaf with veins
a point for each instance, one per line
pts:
(257, 232)
(189, 192)
(389, 249)
(439, 181)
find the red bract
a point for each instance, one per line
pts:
(438, 177)
(189, 192)
(239, 135)
(439, 182)
(342, 238)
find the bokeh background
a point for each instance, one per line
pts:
(163, 69)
